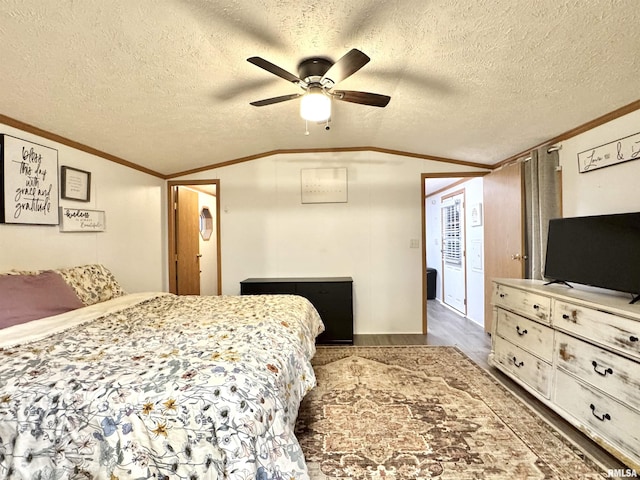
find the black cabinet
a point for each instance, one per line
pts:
(332, 297)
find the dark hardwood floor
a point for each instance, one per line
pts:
(446, 327)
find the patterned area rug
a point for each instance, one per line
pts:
(421, 412)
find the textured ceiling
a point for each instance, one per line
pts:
(165, 83)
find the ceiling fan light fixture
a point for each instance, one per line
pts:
(315, 105)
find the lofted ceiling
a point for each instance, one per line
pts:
(165, 84)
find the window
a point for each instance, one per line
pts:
(452, 234)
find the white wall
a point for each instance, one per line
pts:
(474, 237)
(613, 189)
(134, 244)
(267, 232)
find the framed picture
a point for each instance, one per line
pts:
(76, 184)
(324, 185)
(476, 214)
(29, 184)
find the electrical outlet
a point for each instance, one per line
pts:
(414, 243)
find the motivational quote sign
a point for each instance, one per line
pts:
(82, 220)
(29, 182)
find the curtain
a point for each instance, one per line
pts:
(542, 203)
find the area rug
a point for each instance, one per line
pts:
(419, 412)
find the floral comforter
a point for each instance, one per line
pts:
(173, 387)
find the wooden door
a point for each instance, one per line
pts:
(187, 242)
(503, 230)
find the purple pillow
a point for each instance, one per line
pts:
(28, 297)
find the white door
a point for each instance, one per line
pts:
(454, 292)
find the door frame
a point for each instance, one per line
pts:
(464, 176)
(171, 218)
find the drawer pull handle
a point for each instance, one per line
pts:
(633, 338)
(517, 363)
(502, 295)
(536, 307)
(603, 417)
(601, 372)
(572, 318)
(521, 332)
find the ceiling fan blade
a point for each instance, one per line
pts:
(349, 64)
(272, 68)
(271, 101)
(364, 98)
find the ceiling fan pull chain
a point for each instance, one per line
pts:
(306, 127)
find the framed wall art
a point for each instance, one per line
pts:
(476, 214)
(75, 184)
(324, 185)
(29, 182)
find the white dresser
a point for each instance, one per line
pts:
(578, 351)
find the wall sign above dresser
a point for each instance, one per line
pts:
(618, 151)
(578, 351)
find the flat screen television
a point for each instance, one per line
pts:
(601, 251)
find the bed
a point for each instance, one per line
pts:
(150, 385)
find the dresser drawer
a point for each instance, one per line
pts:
(525, 303)
(528, 368)
(611, 373)
(280, 288)
(600, 414)
(525, 333)
(619, 333)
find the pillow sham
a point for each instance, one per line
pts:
(92, 283)
(24, 298)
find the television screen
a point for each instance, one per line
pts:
(601, 251)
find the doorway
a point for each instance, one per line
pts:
(194, 237)
(432, 185)
(454, 265)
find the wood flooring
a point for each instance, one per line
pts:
(447, 327)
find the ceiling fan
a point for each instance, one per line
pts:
(317, 76)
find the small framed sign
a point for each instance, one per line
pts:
(81, 220)
(76, 184)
